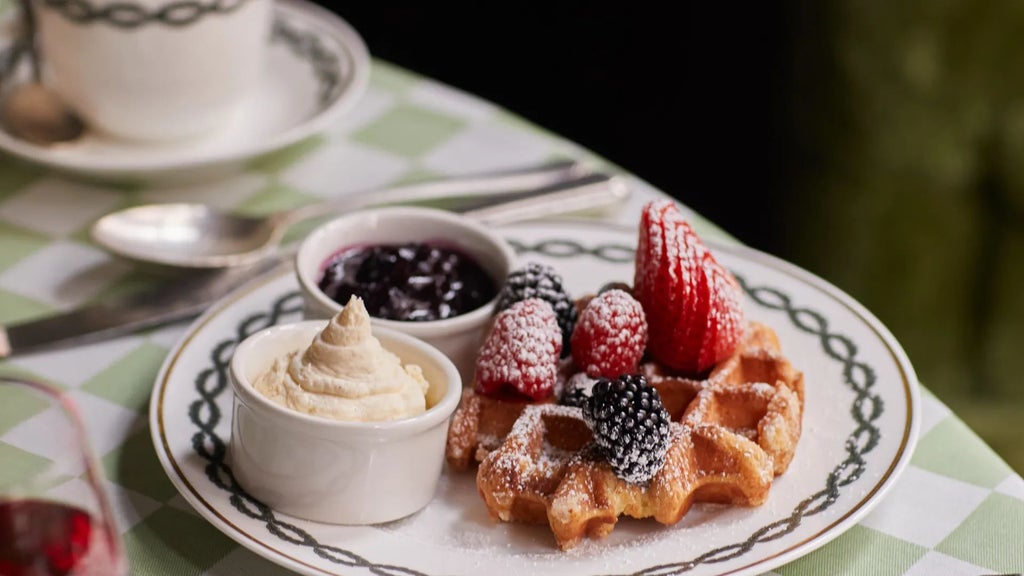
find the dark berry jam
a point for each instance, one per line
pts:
(415, 282)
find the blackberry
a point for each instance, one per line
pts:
(577, 390)
(541, 281)
(630, 425)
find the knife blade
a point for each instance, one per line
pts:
(189, 295)
(123, 314)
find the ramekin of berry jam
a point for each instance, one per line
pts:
(428, 273)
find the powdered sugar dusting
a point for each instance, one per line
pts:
(573, 487)
(693, 304)
(535, 474)
(582, 381)
(521, 351)
(610, 336)
(527, 457)
(726, 312)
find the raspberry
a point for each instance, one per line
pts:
(577, 390)
(610, 335)
(520, 355)
(692, 302)
(537, 280)
(630, 425)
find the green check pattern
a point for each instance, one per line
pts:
(959, 509)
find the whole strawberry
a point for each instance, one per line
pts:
(610, 335)
(692, 303)
(520, 355)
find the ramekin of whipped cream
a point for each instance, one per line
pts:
(335, 422)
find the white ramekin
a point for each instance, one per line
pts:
(333, 471)
(459, 337)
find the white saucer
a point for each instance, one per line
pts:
(317, 68)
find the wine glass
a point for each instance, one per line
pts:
(55, 517)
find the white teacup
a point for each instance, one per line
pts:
(156, 70)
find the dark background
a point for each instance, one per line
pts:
(809, 129)
(686, 98)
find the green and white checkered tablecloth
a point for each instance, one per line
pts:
(958, 509)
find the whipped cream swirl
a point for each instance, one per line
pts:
(346, 374)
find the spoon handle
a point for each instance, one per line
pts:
(28, 21)
(495, 183)
(192, 292)
(593, 191)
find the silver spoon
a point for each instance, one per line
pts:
(199, 236)
(32, 111)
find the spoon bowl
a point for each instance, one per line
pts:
(36, 114)
(187, 235)
(31, 110)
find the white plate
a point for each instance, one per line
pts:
(317, 68)
(861, 420)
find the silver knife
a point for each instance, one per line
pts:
(189, 295)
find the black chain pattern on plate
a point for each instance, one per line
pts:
(309, 47)
(614, 253)
(866, 409)
(129, 15)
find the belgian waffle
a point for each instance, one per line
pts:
(733, 431)
(481, 423)
(547, 471)
(756, 393)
